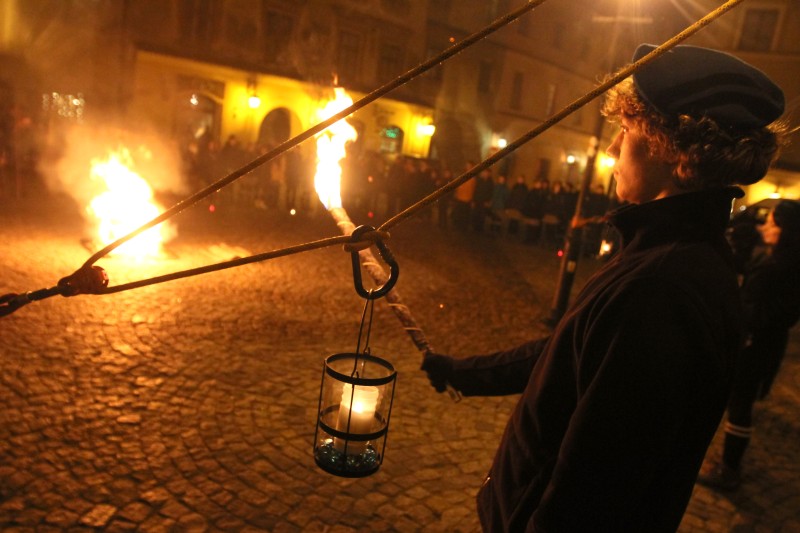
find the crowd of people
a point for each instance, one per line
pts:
(380, 187)
(19, 154)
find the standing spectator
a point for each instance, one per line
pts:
(557, 213)
(423, 185)
(374, 168)
(595, 206)
(462, 201)
(231, 157)
(516, 202)
(498, 205)
(534, 210)
(395, 181)
(482, 199)
(620, 403)
(293, 174)
(7, 152)
(443, 203)
(771, 296)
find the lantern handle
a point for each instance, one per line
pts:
(387, 256)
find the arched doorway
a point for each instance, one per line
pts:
(275, 128)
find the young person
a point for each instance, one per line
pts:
(771, 297)
(620, 403)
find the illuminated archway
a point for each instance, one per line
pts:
(276, 127)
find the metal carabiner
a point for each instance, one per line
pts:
(386, 255)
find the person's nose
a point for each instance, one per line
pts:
(613, 148)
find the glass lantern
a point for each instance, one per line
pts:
(355, 403)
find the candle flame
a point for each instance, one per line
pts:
(124, 205)
(331, 144)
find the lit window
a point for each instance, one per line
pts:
(758, 29)
(516, 91)
(67, 106)
(484, 77)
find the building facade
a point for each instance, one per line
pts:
(260, 69)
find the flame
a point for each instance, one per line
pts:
(125, 205)
(331, 150)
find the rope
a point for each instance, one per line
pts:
(291, 143)
(553, 120)
(92, 280)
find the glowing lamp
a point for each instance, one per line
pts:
(355, 403)
(426, 130)
(254, 101)
(607, 161)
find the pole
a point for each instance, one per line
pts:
(573, 241)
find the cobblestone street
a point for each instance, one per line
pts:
(191, 405)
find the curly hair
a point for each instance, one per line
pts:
(705, 153)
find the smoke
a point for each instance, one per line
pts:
(72, 149)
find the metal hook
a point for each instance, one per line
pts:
(385, 254)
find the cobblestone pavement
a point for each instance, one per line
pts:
(190, 405)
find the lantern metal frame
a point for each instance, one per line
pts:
(348, 453)
(345, 463)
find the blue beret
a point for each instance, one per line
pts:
(695, 81)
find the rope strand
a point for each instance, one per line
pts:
(291, 143)
(566, 111)
(10, 302)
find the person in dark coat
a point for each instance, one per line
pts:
(516, 201)
(771, 297)
(482, 199)
(620, 403)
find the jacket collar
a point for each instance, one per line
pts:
(700, 215)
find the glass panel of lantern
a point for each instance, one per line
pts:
(355, 403)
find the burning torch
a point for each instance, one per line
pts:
(327, 182)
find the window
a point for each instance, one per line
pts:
(524, 25)
(516, 91)
(439, 9)
(240, 30)
(348, 60)
(559, 34)
(397, 7)
(278, 34)
(196, 20)
(550, 102)
(758, 29)
(544, 169)
(484, 77)
(436, 72)
(390, 62)
(391, 139)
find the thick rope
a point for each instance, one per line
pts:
(92, 280)
(568, 110)
(291, 143)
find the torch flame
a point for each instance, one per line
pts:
(126, 204)
(331, 149)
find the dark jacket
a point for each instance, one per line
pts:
(771, 298)
(620, 404)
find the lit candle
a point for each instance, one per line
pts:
(364, 402)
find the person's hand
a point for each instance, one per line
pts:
(439, 369)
